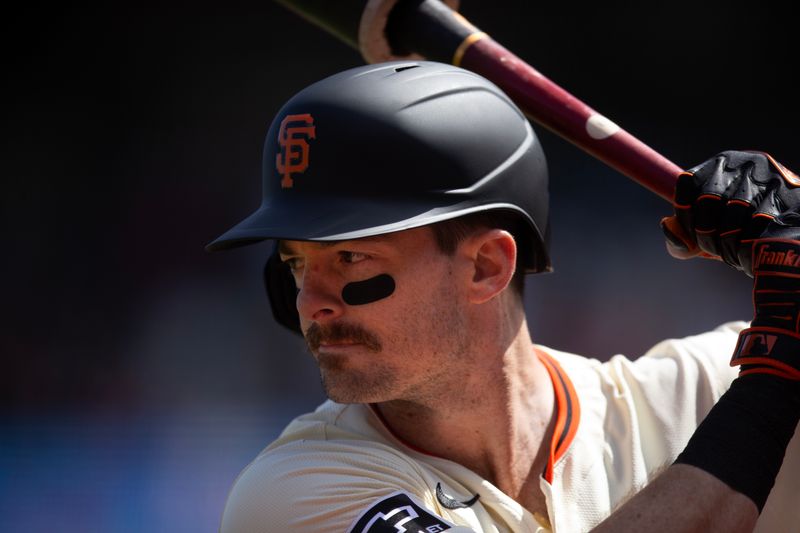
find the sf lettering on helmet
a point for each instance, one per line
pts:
(292, 138)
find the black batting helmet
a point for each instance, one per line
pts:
(394, 146)
(389, 147)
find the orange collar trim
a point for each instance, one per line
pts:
(568, 412)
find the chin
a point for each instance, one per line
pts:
(353, 389)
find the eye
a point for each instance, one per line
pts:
(352, 257)
(294, 263)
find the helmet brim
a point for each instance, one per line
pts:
(340, 219)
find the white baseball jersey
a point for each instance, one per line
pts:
(340, 468)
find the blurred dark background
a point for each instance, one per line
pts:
(140, 373)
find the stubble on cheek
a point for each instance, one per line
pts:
(413, 360)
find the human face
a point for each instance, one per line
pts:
(398, 347)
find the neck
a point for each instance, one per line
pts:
(498, 424)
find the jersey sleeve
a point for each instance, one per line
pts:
(673, 386)
(316, 486)
(699, 360)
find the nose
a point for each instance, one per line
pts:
(318, 299)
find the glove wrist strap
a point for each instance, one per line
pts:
(769, 351)
(772, 344)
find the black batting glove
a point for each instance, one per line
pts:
(744, 208)
(724, 204)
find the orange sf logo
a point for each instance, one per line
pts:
(294, 147)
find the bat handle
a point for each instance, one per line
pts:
(434, 30)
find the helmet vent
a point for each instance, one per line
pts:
(405, 67)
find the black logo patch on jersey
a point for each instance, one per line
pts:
(398, 513)
(449, 502)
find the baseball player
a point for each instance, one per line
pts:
(407, 202)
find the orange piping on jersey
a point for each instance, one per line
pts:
(736, 201)
(568, 412)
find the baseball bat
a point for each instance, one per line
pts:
(395, 29)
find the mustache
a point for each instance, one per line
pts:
(340, 332)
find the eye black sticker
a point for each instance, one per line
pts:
(398, 513)
(369, 290)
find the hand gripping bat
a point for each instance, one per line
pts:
(384, 30)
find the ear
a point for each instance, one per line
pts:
(493, 255)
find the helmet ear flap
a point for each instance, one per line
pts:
(281, 292)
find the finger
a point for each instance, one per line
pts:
(770, 206)
(679, 243)
(736, 217)
(744, 195)
(707, 213)
(747, 189)
(715, 178)
(785, 226)
(717, 175)
(686, 192)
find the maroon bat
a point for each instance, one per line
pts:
(397, 29)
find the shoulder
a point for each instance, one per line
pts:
(315, 486)
(636, 414)
(698, 363)
(660, 395)
(322, 475)
(702, 360)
